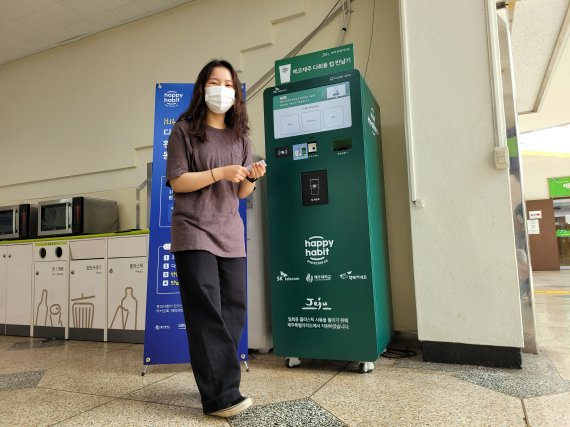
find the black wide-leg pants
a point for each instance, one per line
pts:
(212, 290)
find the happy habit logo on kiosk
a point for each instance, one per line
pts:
(172, 98)
(317, 250)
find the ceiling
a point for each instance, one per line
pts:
(539, 33)
(31, 26)
(540, 29)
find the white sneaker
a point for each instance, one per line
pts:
(242, 405)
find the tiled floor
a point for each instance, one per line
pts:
(75, 383)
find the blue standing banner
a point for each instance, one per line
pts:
(165, 338)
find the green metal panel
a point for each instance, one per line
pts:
(328, 260)
(559, 187)
(377, 216)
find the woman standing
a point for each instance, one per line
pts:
(208, 156)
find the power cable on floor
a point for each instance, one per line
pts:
(397, 353)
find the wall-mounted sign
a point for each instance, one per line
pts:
(315, 64)
(559, 187)
(533, 226)
(535, 215)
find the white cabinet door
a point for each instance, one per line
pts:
(19, 289)
(87, 302)
(127, 247)
(126, 304)
(50, 299)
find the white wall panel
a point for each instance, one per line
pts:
(463, 242)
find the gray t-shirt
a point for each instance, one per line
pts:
(207, 219)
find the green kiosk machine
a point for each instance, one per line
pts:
(327, 222)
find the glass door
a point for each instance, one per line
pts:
(562, 221)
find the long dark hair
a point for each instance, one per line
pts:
(235, 118)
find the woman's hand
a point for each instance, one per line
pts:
(233, 173)
(257, 171)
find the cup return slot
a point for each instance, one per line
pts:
(342, 144)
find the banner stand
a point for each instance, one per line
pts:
(165, 331)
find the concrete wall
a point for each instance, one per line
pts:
(463, 241)
(78, 119)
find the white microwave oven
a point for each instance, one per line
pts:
(77, 215)
(18, 222)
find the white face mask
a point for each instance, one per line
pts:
(220, 99)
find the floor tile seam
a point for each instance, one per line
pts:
(560, 375)
(43, 368)
(84, 411)
(344, 368)
(68, 362)
(146, 371)
(90, 347)
(525, 413)
(292, 400)
(97, 348)
(57, 348)
(134, 399)
(129, 346)
(113, 397)
(265, 359)
(328, 412)
(555, 368)
(281, 364)
(27, 349)
(281, 360)
(497, 391)
(147, 385)
(426, 370)
(23, 372)
(13, 338)
(547, 395)
(130, 351)
(276, 363)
